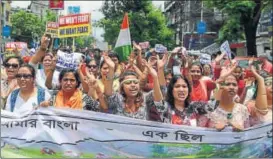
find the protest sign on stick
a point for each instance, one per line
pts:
(225, 48)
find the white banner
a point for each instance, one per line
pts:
(65, 131)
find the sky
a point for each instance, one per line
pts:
(86, 7)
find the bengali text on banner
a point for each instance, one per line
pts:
(51, 132)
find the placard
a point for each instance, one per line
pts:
(68, 60)
(226, 48)
(13, 45)
(74, 25)
(52, 29)
(205, 59)
(159, 48)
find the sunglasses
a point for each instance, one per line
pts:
(91, 66)
(8, 65)
(130, 81)
(25, 76)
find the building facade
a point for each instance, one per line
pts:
(264, 32)
(5, 12)
(39, 7)
(184, 16)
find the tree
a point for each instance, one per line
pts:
(49, 17)
(243, 16)
(26, 25)
(84, 41)
(147, 23)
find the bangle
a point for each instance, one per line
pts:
(262, 110)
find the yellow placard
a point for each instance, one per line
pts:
(72, 31)
(52, 32)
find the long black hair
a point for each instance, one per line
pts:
(75, 73)
(169, 96)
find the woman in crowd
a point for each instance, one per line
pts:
(9, 83)
(238, 73)
(178, 106)
(230, 113)
(69, 95)
(92, 67)
(130, 101)
(118, 67)
(201, 88)
(28, 96)
(168, 76)
(207, 71)
(47, 71)
(47, 68)
(104, 73)
(258, 117)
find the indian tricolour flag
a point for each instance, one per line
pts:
(123, 44)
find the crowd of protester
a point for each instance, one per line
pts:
(219, 95)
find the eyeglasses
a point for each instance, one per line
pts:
(25, 76)
(91, 66)
(70, 80)
(12, 65)
(130, 81)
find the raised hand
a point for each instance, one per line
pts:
(228, 70)
(109, 61)
(152, 60)
(254, 71)
(152, 71)
(220, 57)
(91, 80)
(136, 46)
(80, 66)
(188, 61)
(162, 62)
(45, 42)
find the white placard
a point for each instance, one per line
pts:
(68, 60)
(225, 48)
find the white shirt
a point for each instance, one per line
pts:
(22, 106)
(41, 77)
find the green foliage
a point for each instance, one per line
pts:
(147, 23)
(83, 41)
(231, 31)
(242, 19)
(26, 24)
(29, 25)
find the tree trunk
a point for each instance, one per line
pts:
(250, 33)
